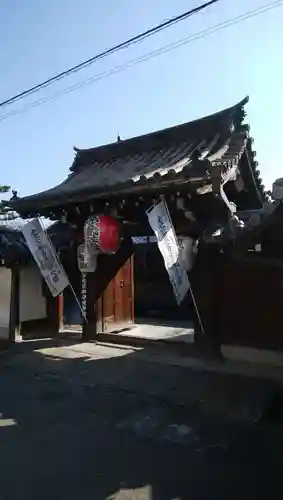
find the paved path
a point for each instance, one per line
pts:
(104, 423)
(177, 331)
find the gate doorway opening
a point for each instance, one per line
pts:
(157, 314)
(154, 296)
(72, 319)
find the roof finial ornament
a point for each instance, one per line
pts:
(119, 138)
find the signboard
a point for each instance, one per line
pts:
(84, 295)
(160, 221)
(86, 261)
(45, 256)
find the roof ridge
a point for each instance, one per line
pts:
(232, 115)
(240, 104)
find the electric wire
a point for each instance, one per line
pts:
(162, 50)
(136, 39)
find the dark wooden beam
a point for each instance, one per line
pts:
(131, 210)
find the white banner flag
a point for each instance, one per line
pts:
(161, 224)
(45, 256)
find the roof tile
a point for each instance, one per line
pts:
(171, 155)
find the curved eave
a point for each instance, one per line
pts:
(225, 119)
(255, 172)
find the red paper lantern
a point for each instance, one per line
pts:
(102, 234)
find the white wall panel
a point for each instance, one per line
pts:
(5, 298)
(32, 300)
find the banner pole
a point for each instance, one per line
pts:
(78, 302)
(197, 310)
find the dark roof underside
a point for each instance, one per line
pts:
(172, 156)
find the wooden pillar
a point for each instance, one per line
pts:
(54, 310)
(203, 279)
(60, 308)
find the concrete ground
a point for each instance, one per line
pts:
(96, 422)
(150, 329)
(177, 331)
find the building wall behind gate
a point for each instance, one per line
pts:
(5, 299)
(32, 302)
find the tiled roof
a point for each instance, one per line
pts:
(13, 248)
(268, 227)
(171, 156)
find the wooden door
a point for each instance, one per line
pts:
(116, 305)
(108, 304)
(110, 289)
(119, 286)
(128, 290)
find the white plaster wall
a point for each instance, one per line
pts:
(32, 300)
(5, 298)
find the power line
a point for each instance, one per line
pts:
(162, 50)
(131, 41)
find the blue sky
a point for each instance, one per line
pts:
(39, 38)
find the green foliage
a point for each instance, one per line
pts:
(5, 212)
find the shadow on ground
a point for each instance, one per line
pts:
(75, 427)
